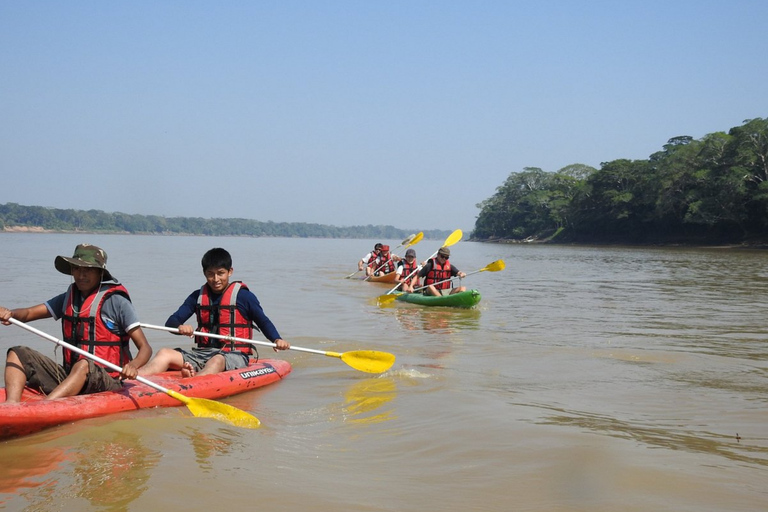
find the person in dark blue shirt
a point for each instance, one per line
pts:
(221, 307)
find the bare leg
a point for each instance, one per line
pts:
(73, 383)
(215, 364)
(166, 359)
(459, 289)
(15, 378)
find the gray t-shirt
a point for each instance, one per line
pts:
(117, 312)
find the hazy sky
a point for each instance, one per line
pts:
(406, 113)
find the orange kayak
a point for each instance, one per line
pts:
(34, 413)
(383, 278)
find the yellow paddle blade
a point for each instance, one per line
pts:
(453, 238)
(416, 239)
(495, 266)
(383, 300)
(204, 408)
(369, 361)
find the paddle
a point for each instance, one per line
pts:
(407, 240)
(491, 267)
(416, 239)
(452, 239)
(369, 361)
(200, 407)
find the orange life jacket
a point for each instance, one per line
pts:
(223, 318)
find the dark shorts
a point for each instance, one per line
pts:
(197, 357)
(44, 374)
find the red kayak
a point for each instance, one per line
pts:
(34, 413)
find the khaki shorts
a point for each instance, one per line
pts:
(44, 374)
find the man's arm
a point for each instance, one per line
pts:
(131, 369)
(24, 314)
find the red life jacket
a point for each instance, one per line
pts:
(439, 273)
(370, 257)
(382, 265)
(223, 318)
(87, 330)
(409, 269)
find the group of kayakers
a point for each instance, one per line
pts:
(431, 277)
(97, 316)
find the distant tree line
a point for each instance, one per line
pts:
(711, 190)
(97, 221)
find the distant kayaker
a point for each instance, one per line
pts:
(383, 263)
(96, 315)
(365, 260)
(437, 273)
(221, 307)
(405, 268)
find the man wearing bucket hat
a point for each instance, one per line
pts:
(96, 315)
(437, 273)
(406, 268)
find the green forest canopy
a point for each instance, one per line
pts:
(97, 221)
(711, 190)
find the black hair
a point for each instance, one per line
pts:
(216, 258)
(377, 247)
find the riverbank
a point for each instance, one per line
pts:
(746, 244)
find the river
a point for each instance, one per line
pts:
(587, 379)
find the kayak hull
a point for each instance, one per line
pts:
(383, 278)
(33, 413)
(466, 299)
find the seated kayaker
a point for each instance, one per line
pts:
(407, 272)
(365, 260)
(437, 274)
(221, 307)
(384, 263)
(97, 316)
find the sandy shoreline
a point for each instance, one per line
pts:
(26, 229)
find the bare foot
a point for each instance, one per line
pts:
(187, 370)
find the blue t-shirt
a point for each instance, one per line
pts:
(247, 303)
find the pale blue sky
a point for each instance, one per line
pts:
(354, 112)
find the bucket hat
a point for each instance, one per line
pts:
(86, 255)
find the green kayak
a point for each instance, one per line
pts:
(465, 299)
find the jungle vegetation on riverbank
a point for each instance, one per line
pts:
(16, 217)
(708, 191)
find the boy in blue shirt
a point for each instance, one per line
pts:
(221, 307)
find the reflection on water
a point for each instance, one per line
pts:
(439, 320)
(112, 468)
(207, 445)
(108, 467)
(27, 467)
(368, 396)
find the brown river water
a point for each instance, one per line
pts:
(587, 379)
